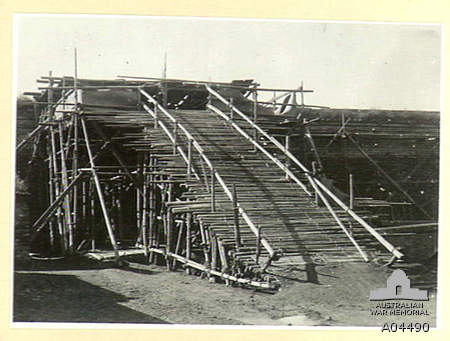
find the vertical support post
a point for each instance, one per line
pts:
(205, 247)
(51, 194)
(92, 221)
(64, 183)
(255, 115)
(175, 137)
(213, 191)
(84, 201)
(50, 96)
(165, 93)
(138, 195)
(258, 245)
(178, 245)
(223, 259)
(274, 102)
(188, 238)
(213, 242)
(189, 168)
(144, 207)
(351, 201)
(75, 119)
(100, 193)
(169, 226)
(152, 201)
(314, 169)
(61, 226)
(231, 108)
(237, 233)
(351, 191)
(302, 94)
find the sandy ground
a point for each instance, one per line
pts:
(87, 291)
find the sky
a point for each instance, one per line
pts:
(348, 65)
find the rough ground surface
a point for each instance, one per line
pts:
(86, 291)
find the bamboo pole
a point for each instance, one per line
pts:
(203, 268)
(213, 191)
(51, 193)
(179, 242)
(152, 204)
(237, 233)
(205, 248)
(189, 163)
(188, 239)
(144, 207)
(139, 196)
(64, 183)
(46, 216)
(175, 138)
(213, 243)
(100, 193)
(258, 245)
(61, 226)
(170, 225)
(92, 214)
(223, 259)
(351, 191)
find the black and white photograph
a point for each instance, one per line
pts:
(187, 171)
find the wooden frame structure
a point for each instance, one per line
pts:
(159, 182)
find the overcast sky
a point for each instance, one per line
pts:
(351, 65)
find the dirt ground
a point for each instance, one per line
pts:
(87, 291)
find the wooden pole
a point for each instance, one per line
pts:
(61, 226)
(255, 114)
(314, 169)
(237, 233)
(51, 194)
(100, 193)
(258, 245)
(64, 182)
(46, 216)
(351, 191)
(144, 207)
(205, 248)
(175, 137)
(139, 196)
(213, 191)
(188, 239)
(170, 226)
(92, 219)
(179, 241)
(213, 243)
(223, 259)
(152, 214)
(75, 122)
(189, 163)
(286, 148)
(231, 108)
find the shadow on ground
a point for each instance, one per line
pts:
(64, 298)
